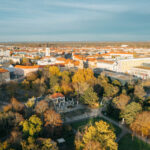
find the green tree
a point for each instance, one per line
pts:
(90, 97)
(117, 83)
(110, 90)
(130, 112)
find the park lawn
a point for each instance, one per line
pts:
(79, 125)
(126, 143)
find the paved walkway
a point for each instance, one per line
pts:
(96, 113)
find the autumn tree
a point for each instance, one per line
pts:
(7, 108)
(39, 87)
(54, 71)
(141, 125)
(25, 61)
(110, 90)
(16, 105)
(116, 83)
(90, 97)
(32, 126)
(101, 134)
(92, 145)
(30, 102)
(65, 75)
(102, 79)
(83, 75)
(121, 101)
(139, 92)
(54, 83)
(52, 119)
(31, 76)
(41, 107)
(26, 84)
(40, 143)
(130, 112)
(81, 88)
(66, 88)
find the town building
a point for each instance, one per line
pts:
(4, 75)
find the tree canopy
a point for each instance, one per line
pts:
(100, 134)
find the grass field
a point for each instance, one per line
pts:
(126, 143)
(69, 136)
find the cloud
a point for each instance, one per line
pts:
(76, 20)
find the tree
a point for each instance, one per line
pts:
(83, 75)
(92, 145)
(48, 144)
(139, 92)
(32, 126)
(52, 120)
(30, 103)
(54, 71)
(38, 86)
(54, 81)
(141, 125)
(110, 90)
(65, 77)
(89, 97)
(16, 105)
(31, 76)
(30, 144)
(41, 107)
(102, 79)
(25, 61)
(66, 88)
(40, 143)
(117, 83)
(99, 133)
(26, 84)
(7, 108)
(81, 87)
(121, 101)
(130, 112)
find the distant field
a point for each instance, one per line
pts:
(79, 44)
(126, 143)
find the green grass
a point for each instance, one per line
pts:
(69, 136)
(126, 143)
(83, 123)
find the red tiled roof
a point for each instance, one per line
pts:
(106, 61)
(27, 67)
(56, 95)
(3, 70)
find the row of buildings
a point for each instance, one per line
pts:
(115, 59)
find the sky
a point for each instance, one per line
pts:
(74, 20)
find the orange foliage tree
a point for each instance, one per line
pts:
(141, 125)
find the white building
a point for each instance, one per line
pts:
(141, 72)
(47, 52)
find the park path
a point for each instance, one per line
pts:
(96, 113)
